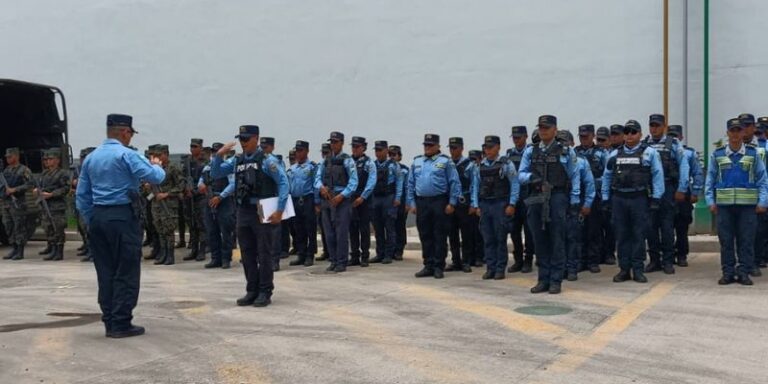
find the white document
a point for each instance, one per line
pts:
(268, 206)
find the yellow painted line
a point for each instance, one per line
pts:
(524, 324)
(573, 293)
(240, 373)
(236, 255)
(425, 363)
(584, 348)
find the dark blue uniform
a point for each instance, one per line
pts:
(219, 221)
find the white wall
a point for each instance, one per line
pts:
(391, 69)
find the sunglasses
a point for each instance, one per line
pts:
(601, 140)
(734, 129)
(631, 131)
(244, 139)
(427, 145)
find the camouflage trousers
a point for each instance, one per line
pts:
(54, 232)
(165, 221)
(193, 216)
(19, 224)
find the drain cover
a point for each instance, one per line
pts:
(543, 310)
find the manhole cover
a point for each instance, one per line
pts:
(543, 310)
(184, 304)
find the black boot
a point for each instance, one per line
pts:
(364, 261)
(171, 257)
(59, 252)
(19, 254)
(353, 261)
(162, 253)
(11, 254)
(201, 251)
(52, 254)
(82, 246)
(87, 258)
(193, 253)
(85, 251)
(47, 251)
(155, 252)
(299, 261)
(213, 264)
(309, 261)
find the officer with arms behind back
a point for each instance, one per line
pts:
(108, 199)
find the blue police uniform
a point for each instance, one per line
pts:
(594, 238)
(629, 174)
(661, 230)
(574, 238)
(258, 176)
(494, 187)
(549, 166)
(360, 223)
(462, 237)
(108, 199)
(339, 175)
(219, 221)
(433, 184)
(305, 198)
(402, 216)
(522, 251)
(684, 212)
(736, 182)
(387, 189)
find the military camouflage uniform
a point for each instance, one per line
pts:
(56, 181)
(19, 211)
(193, 208)
(165, 213)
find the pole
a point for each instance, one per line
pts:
(685, 68)
(666, 60)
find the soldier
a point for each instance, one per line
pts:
(305, 197)
(433, 192)
(258, 176)
(194, 200)
(476, 156)
(360, 224)
(336, 180)
(325, 150)
(82, 227)
(396, 155)
(387, 195)
(17, 181)
(462, 234)
(152, 237)
(576, 217)
(495, 190)
(548, 167)
(630, 172)
(736, 195)
(53, 187)
(522, 252)
(676, 173)
(108, 198)
(595, 158)
(684, 212)
(165, 206)
(219, 217)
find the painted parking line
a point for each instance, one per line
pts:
(573, 293)
(245, 372)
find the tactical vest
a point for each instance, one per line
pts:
(493, 181)
(461, 168)
(735, 184)
(668, 163)
(216, 186)
(383, 187)
(547, 167)
(590, 155)
(334, 173)
(362, 174)
(251, 180)
(515, 157)
(629, 173)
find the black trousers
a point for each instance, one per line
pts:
(683, 219)
(433, 225)
(461, 236)
(360, 231)
(384, 215)
(115, 234)
(257, 244)
(593, 236)
(400, 230)
(305, 226)
(522, 252)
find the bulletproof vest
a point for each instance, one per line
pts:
(362, 174)
(334, 174)
(383, 188)
(629, 173)
(215, 185)
(493, 181)
(668, 163)
(590, 154)
(251, 180)
(461, 168)
(547, 167)
(515, 157)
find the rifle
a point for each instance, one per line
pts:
(43, 202)
(543, 199)
(4, 185)
(190, 186)
(208, 196)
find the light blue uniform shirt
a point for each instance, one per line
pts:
(567, 159)
(650, 158)
(302, 179)
(393, 176)
(351, 186)
(678, 157)
(433, 176)
(696, 182)
(371, 182)
(510, 174)
(270, 165)
(587, 181)
(110, 174)
(228, 190)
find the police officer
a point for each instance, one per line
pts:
(324, 152)
(547, 168)
(396, 155)
(616, 139)
(360, 224)
(257, 176)
(478, 253)
(736, 190)
(676, 173)
(17, 220)
(631, 171)
(305, 199)
(684, 212)
(576, 217)
(194, 200)
(495, 190)
(53, 187)
(108, 199)
(522, 252)
(595, 158)
(433, 192)
(602, 136)
(761, 260)
(218, 213)
(462, 234)
(748, 131)
(165, 206)
(387, 195)
(267, 144)
(336, 181)
(608, 246)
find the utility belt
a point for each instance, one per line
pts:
(432, 198)
(630, 193)
(538, 189)
(464, 199)
(302, 199)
